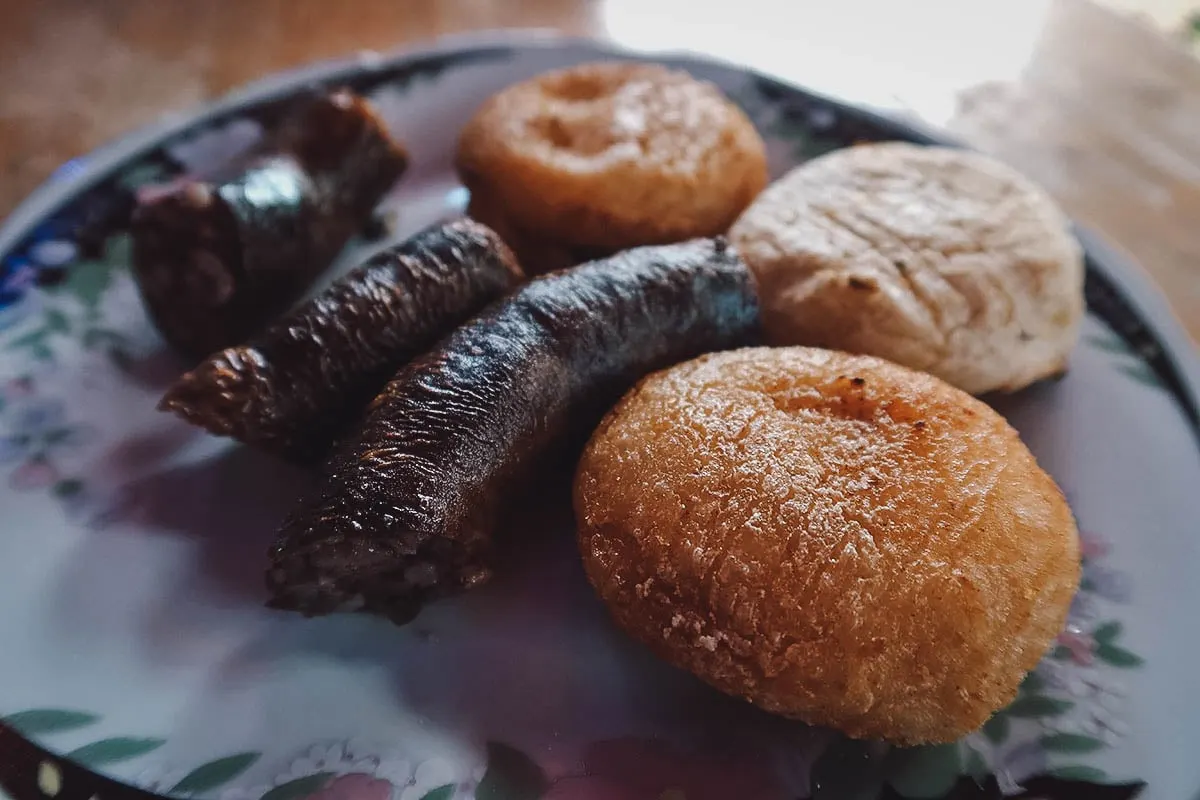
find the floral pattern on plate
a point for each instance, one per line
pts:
(1067, 711)
(70, 319)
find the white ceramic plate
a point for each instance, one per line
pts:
(134, 642)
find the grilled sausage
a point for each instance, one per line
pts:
(292, 389)
(408, 505)
(216, 261)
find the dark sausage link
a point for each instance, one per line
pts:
(216, 261)
(408, 506)
(293, 389)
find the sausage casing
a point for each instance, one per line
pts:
(292, 389)
(215, 261)
(409, 503)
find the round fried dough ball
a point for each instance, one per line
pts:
(834, 538)
(940, 259)
(614, 155)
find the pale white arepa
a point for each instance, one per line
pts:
(939, 259)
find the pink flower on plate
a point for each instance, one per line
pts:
(18, 387)
(1080, 643)
(37, 473)
(1092, 546)
(354, 786)
(643, 769)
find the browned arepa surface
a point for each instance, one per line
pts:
(832, 537)
(610, 155)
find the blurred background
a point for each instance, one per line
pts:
(1100, 102)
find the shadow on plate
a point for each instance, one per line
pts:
(155, 369)
(531, 658)
(211, 521)
(229, 505)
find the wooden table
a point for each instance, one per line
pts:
(1101, 109)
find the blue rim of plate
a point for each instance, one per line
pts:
(1115, 290)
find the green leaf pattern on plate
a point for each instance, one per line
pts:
(1080, 772)
(846, 769)
(41, 721)
(73, 308)
(77, 310)
(298, 788)
(1070, 743)
(1037, 706)
(1106, 633)
(111, 751)
(1061, 702)
(441, 793)
(1117, 656)
(996, 728)
(1130, 363)
(214, 774)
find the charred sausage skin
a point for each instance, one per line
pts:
(215, 261)
(409, 504)
(295, 387)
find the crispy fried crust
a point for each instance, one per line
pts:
(614, 155)
(832, 537)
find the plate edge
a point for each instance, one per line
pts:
(1143, 293)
